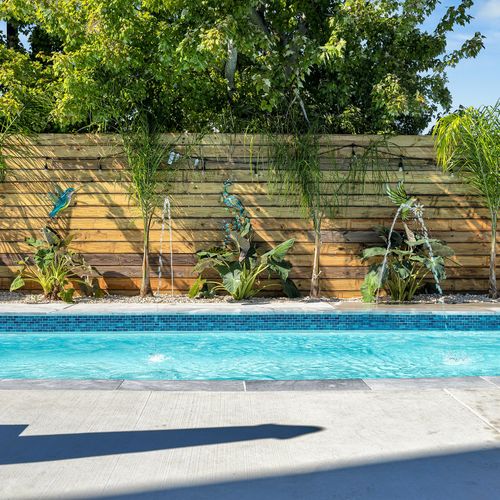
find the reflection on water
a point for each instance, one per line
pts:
(456, 359)
(157, 358)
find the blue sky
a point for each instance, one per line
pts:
(473, 82)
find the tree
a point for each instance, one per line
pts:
(148, 175)
(113, 74)
(321, 191)
(353, 66)
(468, 144)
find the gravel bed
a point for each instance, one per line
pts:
(12, 297)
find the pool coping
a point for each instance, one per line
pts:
(372, 385)
(271, 307)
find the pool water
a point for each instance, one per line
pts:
(220, 355)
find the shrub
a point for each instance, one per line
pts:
(56, 268)
(409, 263)
(239, 263)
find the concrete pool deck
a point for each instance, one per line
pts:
(406, 444)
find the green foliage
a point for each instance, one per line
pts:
(297, 174)
(149, 173)
(240, 277)
(25, 97)
(55, 268)
(25, 101)
(409, 263)
(468, 144)
(240, 264)
(237, 66)
(370, 286)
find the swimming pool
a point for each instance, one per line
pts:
(231, 347)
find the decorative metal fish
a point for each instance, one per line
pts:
(61, 200)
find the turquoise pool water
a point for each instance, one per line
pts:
(250, 354)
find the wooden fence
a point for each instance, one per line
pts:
(108, 225)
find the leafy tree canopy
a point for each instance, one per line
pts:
(345, 66)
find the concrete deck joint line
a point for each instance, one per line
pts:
(143, 408)
(494, 381)
(474, 412)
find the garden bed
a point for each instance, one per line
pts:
(7, 297)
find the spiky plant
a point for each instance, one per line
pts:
(295, 173)
(149, 174)
(468, 143)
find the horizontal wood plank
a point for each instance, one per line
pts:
(108, 226)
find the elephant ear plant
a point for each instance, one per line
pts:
(239, 263)
(408, 257)
(468, 144)
(408, 265)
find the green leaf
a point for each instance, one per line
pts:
(196, 287)
(370, 286)
(35, 243)
(441, 249)
(374, 252)
(17, 283)
(282, 268)
(290, 289)
(279, 252)
(232, 280)
(398, 195)
(243, 244)
(67, 295)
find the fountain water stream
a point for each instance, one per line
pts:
(387, 250)
(417, 211)
(166, 212)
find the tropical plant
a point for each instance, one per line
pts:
(468, 144)
(408, 265)
(149, 173)
(296, 174)
(408, 258)
(240, 277)
(56, 268)
(239, 263)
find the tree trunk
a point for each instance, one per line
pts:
(315, 291)
(493, 255)
(146, 279)
(12, 36)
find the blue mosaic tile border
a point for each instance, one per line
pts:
(245, 322)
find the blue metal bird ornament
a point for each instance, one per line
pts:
(230, 200)
(61, 200)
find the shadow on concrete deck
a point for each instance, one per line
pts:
(473, 475)
(16, 449)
